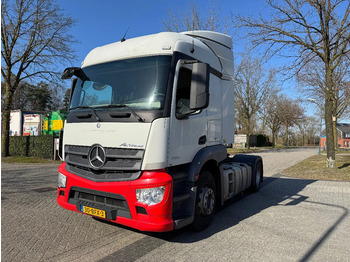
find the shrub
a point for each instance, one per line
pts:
(35, 146)
(262, 140)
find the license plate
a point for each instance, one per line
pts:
(93, 211)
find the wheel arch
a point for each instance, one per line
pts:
(209, 157)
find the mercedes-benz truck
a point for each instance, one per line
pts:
(144, 140)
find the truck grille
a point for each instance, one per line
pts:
(120, 165)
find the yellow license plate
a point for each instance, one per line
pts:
(93, 211)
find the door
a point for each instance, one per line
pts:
(188, 130)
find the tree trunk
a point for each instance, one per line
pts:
(329, 104)
(248, 132)
(287, 136)
(329, 134)
(335, 132)
(263, 124)
(6, 112)
(5, 135)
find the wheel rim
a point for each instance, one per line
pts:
(206, 201)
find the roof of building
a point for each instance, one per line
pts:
(344, 127)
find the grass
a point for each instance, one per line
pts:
(233, 151)
(28, 160)
(338, 151)
(240, 150)
(315, 168)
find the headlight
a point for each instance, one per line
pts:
(62, 180)
(150, 196)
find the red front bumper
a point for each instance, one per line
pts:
(158, 217)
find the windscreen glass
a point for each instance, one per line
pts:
(139, 83)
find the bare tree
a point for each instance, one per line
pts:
(34, 38)
(252, 86)
(291, 114)
(308, 127)
(307, 29)
(313, 84)
(273, 116)
(193, 19)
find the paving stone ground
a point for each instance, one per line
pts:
(287, 220)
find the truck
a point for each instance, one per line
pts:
(54, 122)
(33, 124)
(26, 123)
(144, 139)
(16, 120)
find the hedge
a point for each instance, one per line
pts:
(35, 146)
(262, 140)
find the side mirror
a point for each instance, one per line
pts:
(199, 97)
(71, 71)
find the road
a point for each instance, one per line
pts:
(287, 220)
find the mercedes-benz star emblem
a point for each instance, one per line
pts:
(97, 156)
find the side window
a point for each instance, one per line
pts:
(183, 91)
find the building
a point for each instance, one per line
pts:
(343, 134)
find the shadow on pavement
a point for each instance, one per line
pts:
(274, 191)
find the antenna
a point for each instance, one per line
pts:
(192, 48)
(123, 39)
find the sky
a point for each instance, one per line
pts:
(106, 21)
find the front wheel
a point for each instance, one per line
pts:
(205, 201)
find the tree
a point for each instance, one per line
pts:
(20, 97)
(195, 20)
(312, 80)
(307, 29)
(291, 114)
(66, 99)
(274, 106)
(308, 127)
(34, 37)
(39, 97)
(252, 86)
(32, 97)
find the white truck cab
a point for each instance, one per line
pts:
(143, 143)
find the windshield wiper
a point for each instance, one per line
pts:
(88, 107)
(123, 105)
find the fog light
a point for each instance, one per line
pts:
(62, 180)
(150, 196)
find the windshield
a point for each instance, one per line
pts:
(139, 83)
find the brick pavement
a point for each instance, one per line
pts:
(287, 220)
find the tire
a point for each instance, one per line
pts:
(205, 201)
(257, 176)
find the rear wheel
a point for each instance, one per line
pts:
(205, 201)
(256, 164)
(257, 177)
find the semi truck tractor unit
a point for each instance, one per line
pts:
(144, 139)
